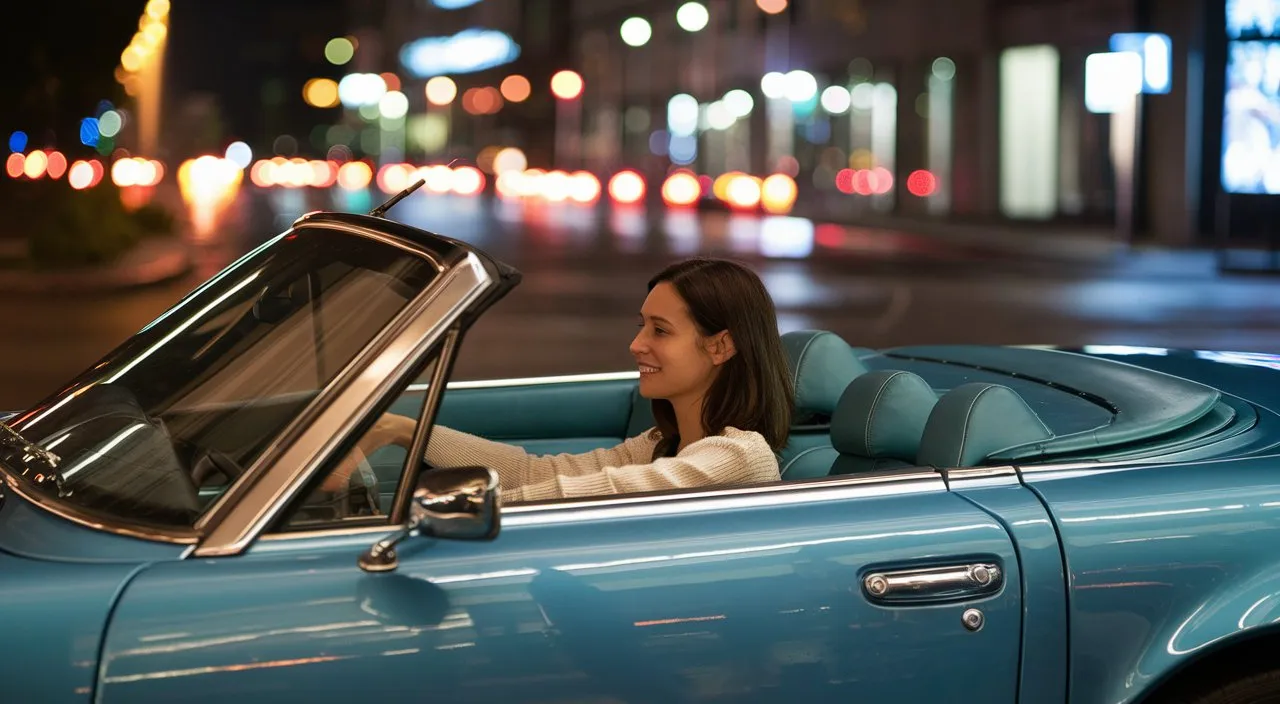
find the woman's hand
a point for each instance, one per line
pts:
(390, 429)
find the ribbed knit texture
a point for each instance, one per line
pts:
(736, 457)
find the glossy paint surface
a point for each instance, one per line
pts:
(53, 619)
(1165, 564)
(1043, 674)
(31, 531)
(734, 604)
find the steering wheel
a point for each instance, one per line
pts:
(211, 463)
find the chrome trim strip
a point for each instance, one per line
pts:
(979, 477)
(288, 473)
(230, 499)
(814, 491)
(422, 432)
(533, 381)
(70, 513)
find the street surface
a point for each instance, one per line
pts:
(586, 270)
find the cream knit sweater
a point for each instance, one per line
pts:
(736, 457)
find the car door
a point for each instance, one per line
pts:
(885, 587)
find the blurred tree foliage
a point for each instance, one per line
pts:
(59, 60)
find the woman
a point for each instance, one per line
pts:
(711, 360)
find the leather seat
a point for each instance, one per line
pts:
(877, 424)
(822, 365)
(974, 421)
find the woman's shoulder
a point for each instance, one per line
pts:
(747, 440)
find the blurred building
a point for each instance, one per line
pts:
(957, 109)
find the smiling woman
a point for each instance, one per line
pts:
(712, 363)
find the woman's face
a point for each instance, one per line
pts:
(676, 363)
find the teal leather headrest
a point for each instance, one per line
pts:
(883, 414)
(822, 365)
(976, 420)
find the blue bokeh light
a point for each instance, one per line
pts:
(18, 141)
(89, 132)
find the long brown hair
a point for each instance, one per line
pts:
(753, 389)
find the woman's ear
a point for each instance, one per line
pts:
(721, 347)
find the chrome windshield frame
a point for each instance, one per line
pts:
(434, 308)
(248, 509)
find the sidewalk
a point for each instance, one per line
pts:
(152, 261)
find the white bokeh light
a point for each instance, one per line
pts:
(692, 16)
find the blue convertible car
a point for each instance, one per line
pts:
(954, 523)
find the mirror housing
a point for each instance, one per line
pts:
(459, 503)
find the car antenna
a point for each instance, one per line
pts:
(382, 209)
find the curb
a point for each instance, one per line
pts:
(163, 261)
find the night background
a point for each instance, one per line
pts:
(992, 171)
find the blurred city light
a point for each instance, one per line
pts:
(682, 114)
(771, 7)
(743, 192)
(58, 165)
(836, 99)
(516, 88)
(482, 101)
(739, 103)
(774, 85)
(1156, 52)
(15, 165)
(566, 85)
(627, 187)
(18, 141)
(394, 105)
(339, 51)
(357, 90)
(944, 69)
(510, 159)
(1111, 80)
(465, 52)
(681, 189)
(692, 16)
(441, 90)
(921, 183)
(719, 117)
(110, 123)
(801, 86)
(354, 176)
(778, 194)
(239, 154)
(453, 4)
(636, 31)
(35, 164)
(136, 171)
(89, 132)
(320, 93)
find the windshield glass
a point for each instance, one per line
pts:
(161, 426)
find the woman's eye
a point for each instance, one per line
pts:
(660, 331)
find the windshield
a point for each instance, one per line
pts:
(161, 426)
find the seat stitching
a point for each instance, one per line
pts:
(968, 416)
(787, 468)
(875, 404)
(795, 377)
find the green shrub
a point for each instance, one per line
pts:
(68, 228)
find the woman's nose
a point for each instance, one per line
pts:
(638, 345)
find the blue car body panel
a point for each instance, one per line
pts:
(726, 604)
(1159, 577)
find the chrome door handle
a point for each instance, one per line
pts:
(933, 584)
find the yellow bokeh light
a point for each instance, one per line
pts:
(131, 59)
(320, 93)
(441, 90)
(155, 33)
(157, 9)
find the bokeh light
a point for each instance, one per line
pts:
(771, 7)
(692, 16)
(681, 189)
(627, 187)
(516, 89)
(320, 93)
(339, 51)
(239, 154)
(566, 85)
(18, 141)
(110, 123)
(441, 90)
(636, 31)
(510, 159)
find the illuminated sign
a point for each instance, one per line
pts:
(1156, 51)
(453, 4)
(465, 52)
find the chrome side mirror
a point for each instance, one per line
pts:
(458, 503)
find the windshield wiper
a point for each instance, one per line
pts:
(27, 456)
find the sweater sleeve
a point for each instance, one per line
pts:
(517, 468)
(717, 460)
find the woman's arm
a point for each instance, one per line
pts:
(515, 467)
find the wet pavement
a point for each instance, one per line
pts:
(586, 268)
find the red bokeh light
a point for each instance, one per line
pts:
(922, 183)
